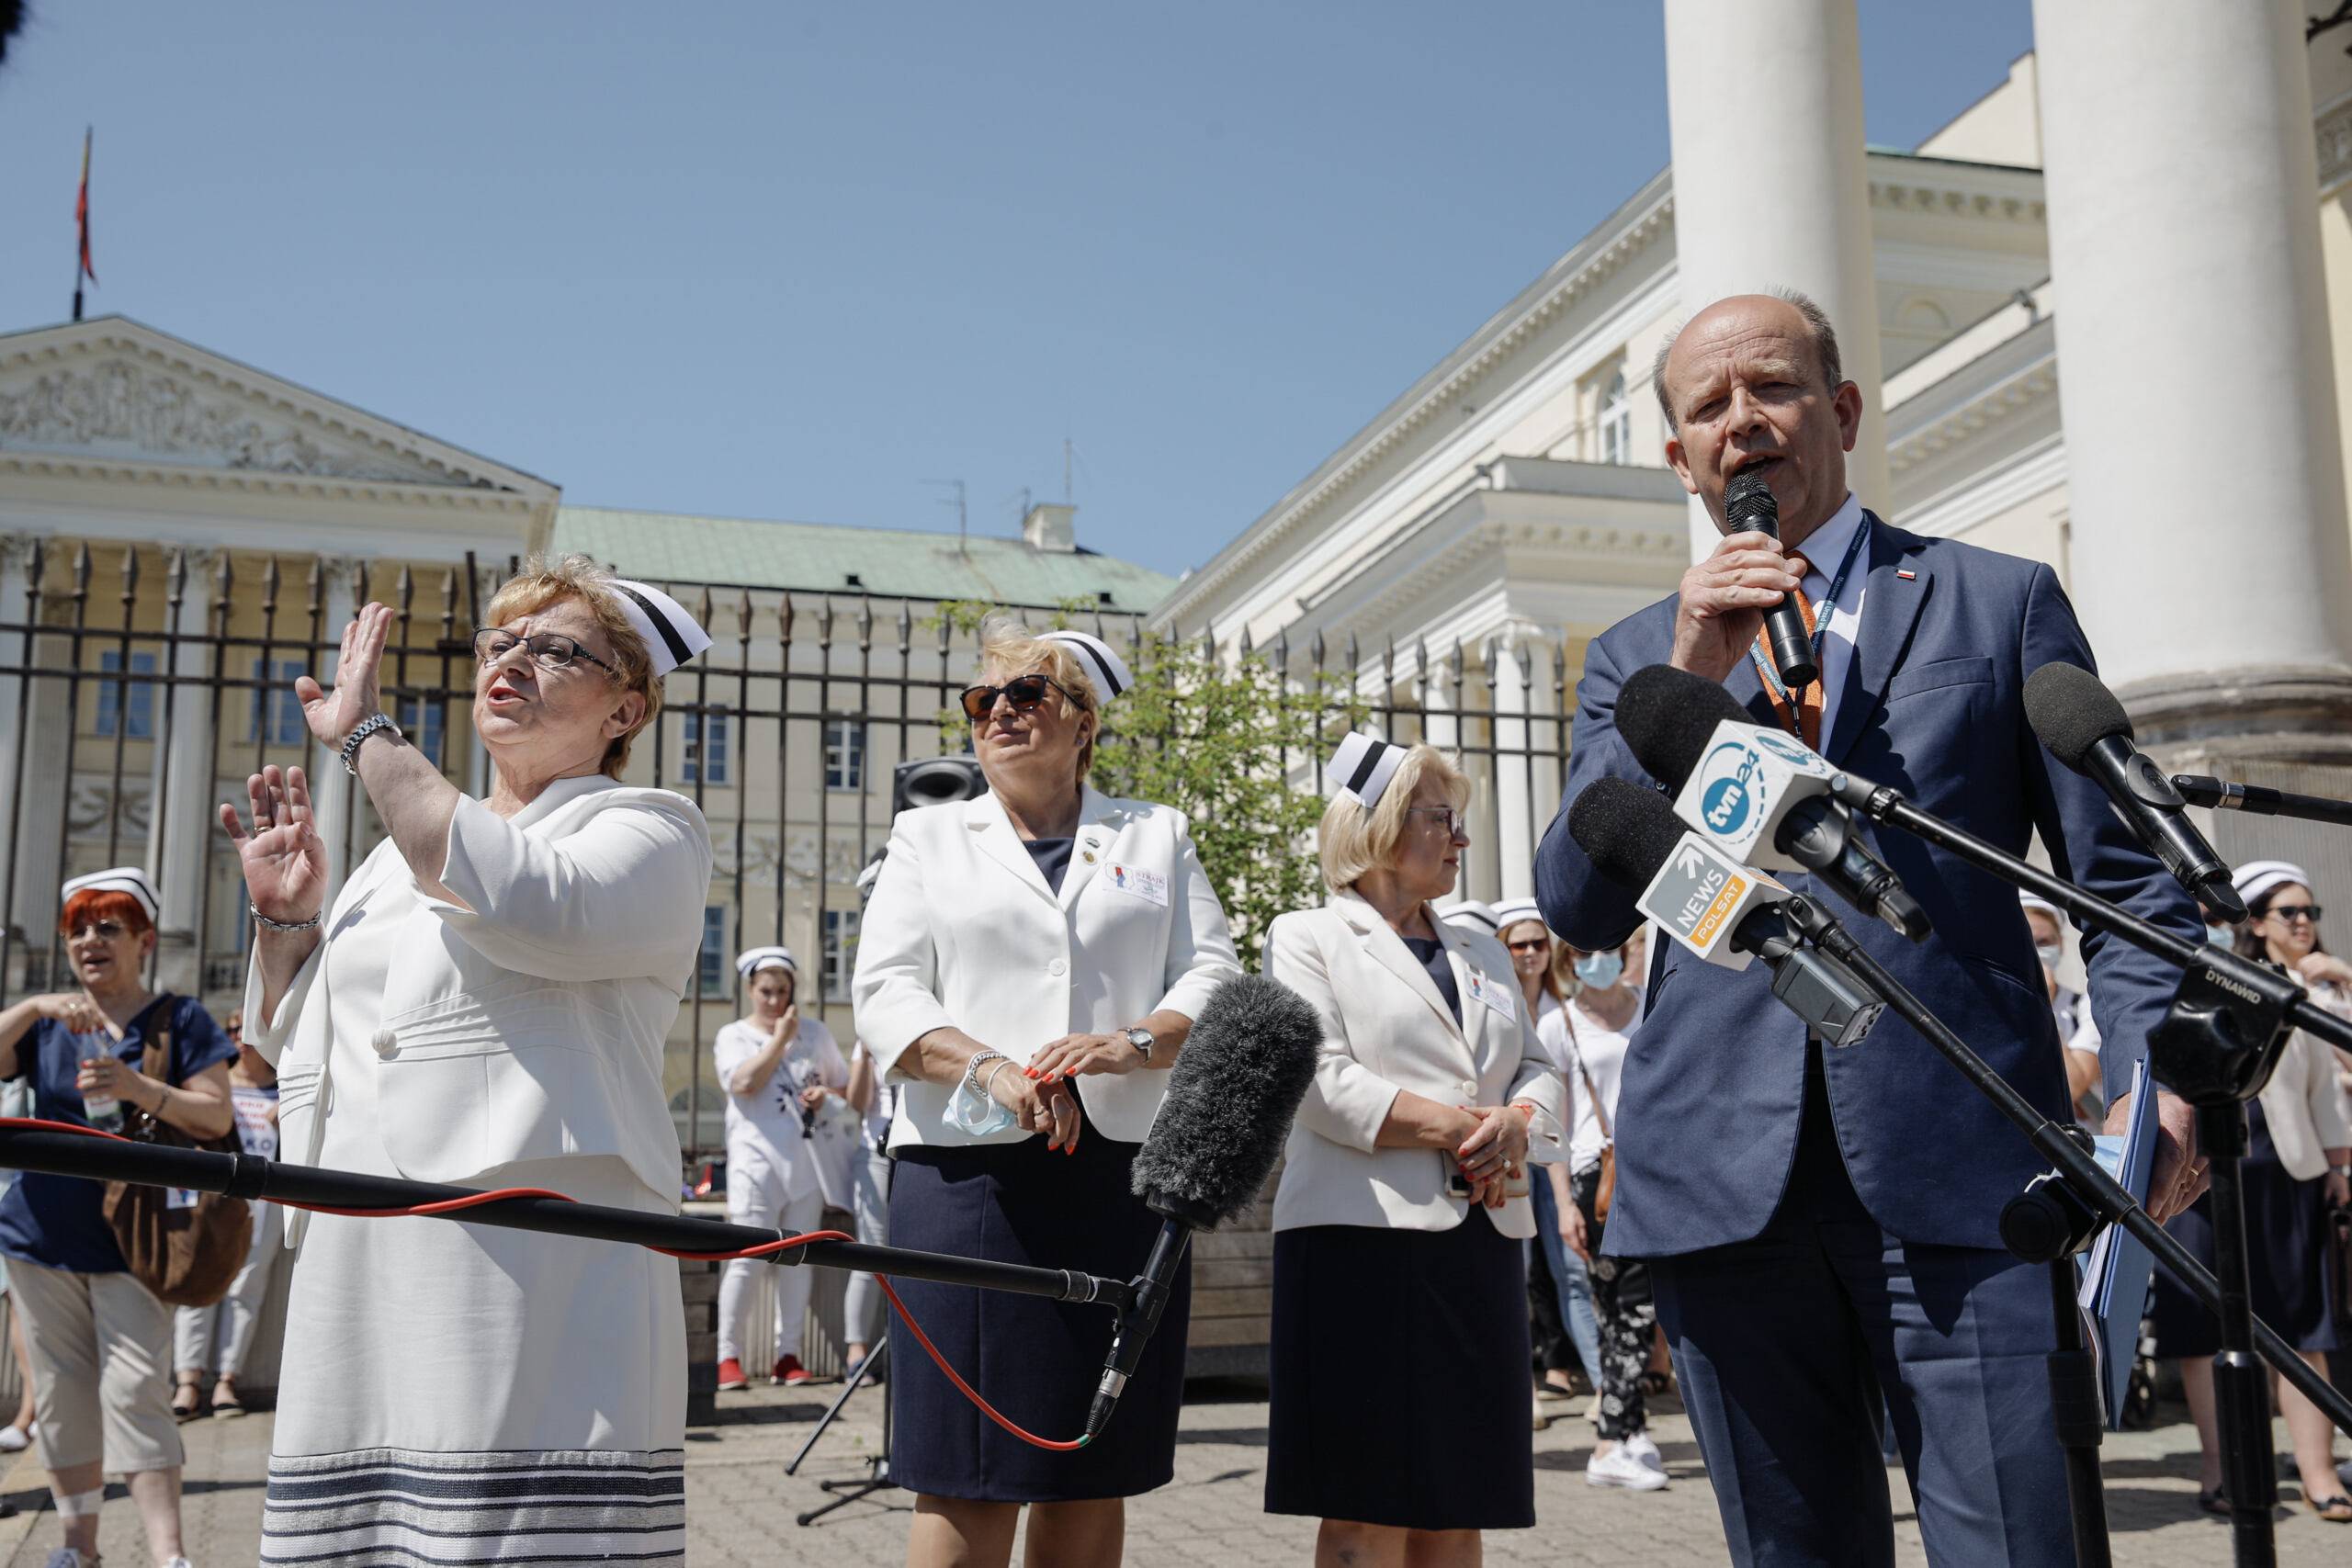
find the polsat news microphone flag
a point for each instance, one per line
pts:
(82, 267)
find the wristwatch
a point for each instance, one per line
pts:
(1140, 1038)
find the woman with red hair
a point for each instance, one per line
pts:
(99, 1343)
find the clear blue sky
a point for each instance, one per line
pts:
(777, 260)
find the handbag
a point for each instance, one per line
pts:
(186, 1248)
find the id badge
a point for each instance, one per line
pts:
(180, 1197)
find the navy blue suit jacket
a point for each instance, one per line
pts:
(1933, 704)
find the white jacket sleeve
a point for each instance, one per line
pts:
(1538, 1083)
(894, 987)
(1200, 944)
(1347, 1102)
(620, 895)
(2326, 1096)
(269, 1033)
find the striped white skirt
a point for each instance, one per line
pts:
(399, 1507)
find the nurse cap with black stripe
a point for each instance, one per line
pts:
(1362, 768)
(670, 635)
(1105, 671)
(751, 960)
(128, 879)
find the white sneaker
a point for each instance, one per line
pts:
(66, 1557)
(179, 1562)
(1543, 1418)
(1640, 1447)
(1619, 1467)
(15, 1439)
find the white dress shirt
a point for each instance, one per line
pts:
(1823, 549)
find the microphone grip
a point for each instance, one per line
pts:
(1792, 646)
(1153, 1288)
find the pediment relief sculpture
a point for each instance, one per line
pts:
(122, 408)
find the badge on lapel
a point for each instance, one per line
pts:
(1148, 885)
(1492, 995)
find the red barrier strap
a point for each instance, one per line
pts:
(452, 1207)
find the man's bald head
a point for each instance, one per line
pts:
(1814, 319)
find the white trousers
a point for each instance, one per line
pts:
(100, 1388)
(228, 1325)
(863, 1310)
(755, 1196)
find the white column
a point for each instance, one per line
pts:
(15, 551)
(1515, 830)
(181, 825)
(331, 787)
(1764, 98)
(2206, 486)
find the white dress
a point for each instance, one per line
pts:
(457, 1393)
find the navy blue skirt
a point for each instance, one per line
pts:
(1036, 1360)
(1399, 1372)
(2285, 1225)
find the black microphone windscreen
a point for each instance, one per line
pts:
(2071, 711)
(1232, 1096)
(1749, 505)
(1666, 716)
(1625, 829)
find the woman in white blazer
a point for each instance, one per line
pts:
(1402, 1207)
(1028, 968)
(2295, 1168)
(486, 1002)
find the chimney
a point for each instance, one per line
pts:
(1048, 526)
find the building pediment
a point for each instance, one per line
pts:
(114, 391)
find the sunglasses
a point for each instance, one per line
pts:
(1535, 944)
(1024, 692)
(550, 650)
(2288, 914)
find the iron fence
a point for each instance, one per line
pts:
(140, 684)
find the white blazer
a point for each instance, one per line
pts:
(963, 931)
(2302, 1102)
(523, 1017)
(1386, 1029)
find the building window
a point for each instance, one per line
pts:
(714, 967)
(841, 950)
(704, 754)
(277, 708)
(844, 753)
(1616, 421)
(136, 716)
(421, 719)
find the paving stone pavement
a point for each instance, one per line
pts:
(741, 1505)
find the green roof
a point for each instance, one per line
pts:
(828, 557)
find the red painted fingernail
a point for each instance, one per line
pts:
(1030, 1071)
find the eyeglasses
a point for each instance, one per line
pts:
(550, 650)
(1024, 692)
(1533, 944)
(2288, 914)
(105, 931)
(1452, 819)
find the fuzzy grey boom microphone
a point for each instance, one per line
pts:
(1231, 1097)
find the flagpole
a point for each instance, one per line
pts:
(82, 223)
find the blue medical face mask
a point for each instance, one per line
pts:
(1601, 970)
(2220, 936)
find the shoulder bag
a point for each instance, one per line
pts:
(185, 1247)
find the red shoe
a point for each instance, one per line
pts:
(730, 1376)
(790, 1373)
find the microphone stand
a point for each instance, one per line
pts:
(2204, 789)
(251, 1175)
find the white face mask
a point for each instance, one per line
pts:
(1601, 970)
(2051, 955)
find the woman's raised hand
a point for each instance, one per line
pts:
(284, 858)
(75, 1011)
(333, 716)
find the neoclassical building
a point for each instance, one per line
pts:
(2185, 477)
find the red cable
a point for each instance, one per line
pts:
(768, 1248)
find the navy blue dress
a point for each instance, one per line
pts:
(1036, 1360)
(2286, 1226)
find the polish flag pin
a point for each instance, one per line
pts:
(1908, 576)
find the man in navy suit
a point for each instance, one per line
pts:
(1823, 1222)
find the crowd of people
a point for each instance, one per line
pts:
(1529, 1149)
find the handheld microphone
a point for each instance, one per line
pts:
(1715, 906)
(1754, 792)
(2076, 716)
(1751, 507)
(1232, 1095)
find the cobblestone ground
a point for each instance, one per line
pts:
(741, 1505)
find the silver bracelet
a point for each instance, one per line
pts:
(371, 725)
(268, 924)
(980, 1058)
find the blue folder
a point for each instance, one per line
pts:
(2117, 1271)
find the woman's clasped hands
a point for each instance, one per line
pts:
(1493, 1150)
